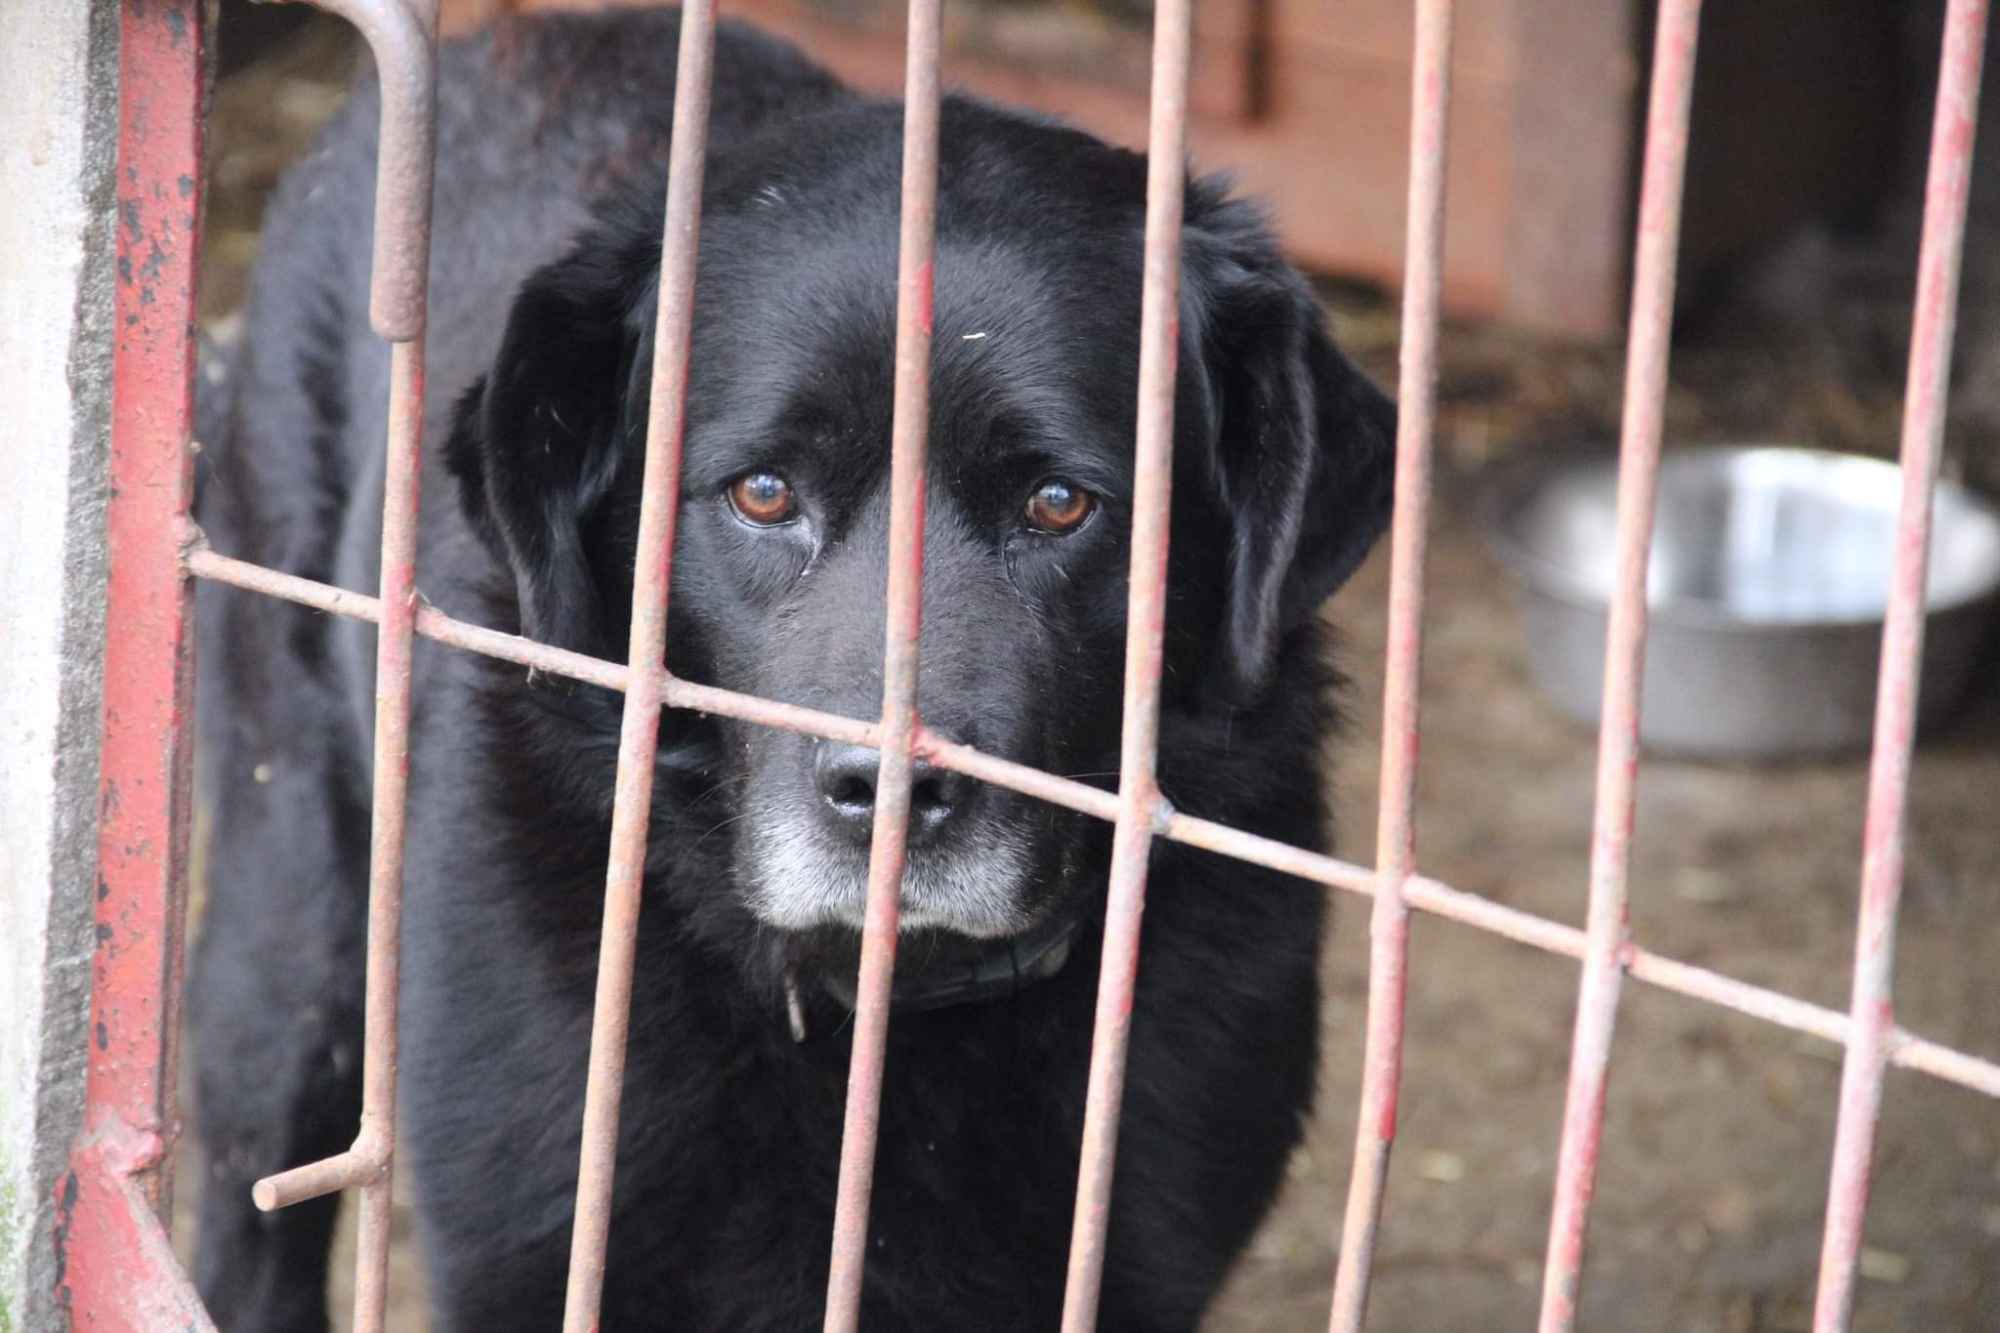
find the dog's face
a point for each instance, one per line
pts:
(1281, 484)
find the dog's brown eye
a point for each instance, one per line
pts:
(1059, 507)
(763, 498)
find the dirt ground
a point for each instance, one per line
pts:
(1713, 1179)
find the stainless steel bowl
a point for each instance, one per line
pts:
(1767, 588)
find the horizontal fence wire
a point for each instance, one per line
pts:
(1906, 1049)
(1608, 928)
(1872, 1013)
(1395, 832)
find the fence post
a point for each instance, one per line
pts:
(58, 139)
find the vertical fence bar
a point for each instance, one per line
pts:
(118, 1266)
(1872, 1010)
(402, 36)
(401, 500)
(916, 258)
(148, 662)
(1140, 808)
(1607, 927)
(1395, 834)
(377, 1138)
(638, 739)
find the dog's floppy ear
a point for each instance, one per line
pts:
(537, 443)
(1301, 444)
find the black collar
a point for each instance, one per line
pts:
(990, 971)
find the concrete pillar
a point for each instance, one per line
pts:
(58, 138)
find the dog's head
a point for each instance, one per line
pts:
(1282, 483)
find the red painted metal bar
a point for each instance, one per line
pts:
(121, 1275)
(119, 1270)
(402, 35)
(1608, 927)
(652, 579)
(1395, 834)
(1872, 1014)
(1422, 893)
(909, 433)
(1141, 810)
(143, 825)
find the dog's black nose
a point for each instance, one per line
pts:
(845, 776)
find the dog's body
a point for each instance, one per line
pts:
(542, 302)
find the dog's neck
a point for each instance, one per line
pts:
(993, 970)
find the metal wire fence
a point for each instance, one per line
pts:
(156, 550)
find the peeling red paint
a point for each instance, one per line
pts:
(115, 1258)
(118, 1271)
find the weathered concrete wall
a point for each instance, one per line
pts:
(58, 133)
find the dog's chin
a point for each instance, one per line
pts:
(816, 906)
(978, 889)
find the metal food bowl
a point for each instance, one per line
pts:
(1767, 588)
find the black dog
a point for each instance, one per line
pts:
(552, 140)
